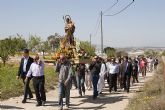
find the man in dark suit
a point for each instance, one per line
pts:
(25, 64)
(127, 73)
(95, 67)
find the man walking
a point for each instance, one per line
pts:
(37, 71)
(25, 64)
(80, 70)
(127, 74)
(121, 72)
(135, 71)
(95, 70)
(65, 71)
(113, 72)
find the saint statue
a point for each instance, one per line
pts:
(69, 30)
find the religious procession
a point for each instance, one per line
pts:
(77, 70)
(82, 55)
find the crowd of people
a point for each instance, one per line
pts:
(117, 72)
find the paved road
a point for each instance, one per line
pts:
(106, 101)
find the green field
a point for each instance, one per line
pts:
(11, 87)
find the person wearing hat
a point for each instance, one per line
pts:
(25, 64)
(64, 70)
(37, 71)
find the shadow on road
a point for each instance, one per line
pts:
(9, 107)
(103, 100)
(89, 108)
(51, 103)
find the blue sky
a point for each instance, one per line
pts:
(142, 24)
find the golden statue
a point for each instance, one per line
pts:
(69, 30)
(67, 44)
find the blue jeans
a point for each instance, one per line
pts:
(64, 92)
(95, 79)
(80, 84)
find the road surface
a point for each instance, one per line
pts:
(105, 101)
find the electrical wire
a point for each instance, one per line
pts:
(96, 26)
(111, 7)
(98, 22)
(121, 10)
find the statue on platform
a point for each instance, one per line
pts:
(69, 47)
(69, 30)
(67, 44)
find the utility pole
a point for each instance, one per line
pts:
(101, 33)
(90, 40)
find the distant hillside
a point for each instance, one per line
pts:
(98, 47)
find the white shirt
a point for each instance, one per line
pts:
(149, 60)
(36, 70)
(25, 63)
(113, 68)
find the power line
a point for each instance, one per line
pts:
(96, 26)
(111, 7)
(100, 24)
(121, 10)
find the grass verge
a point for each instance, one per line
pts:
(152, 96)
(11, 87)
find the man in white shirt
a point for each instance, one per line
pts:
(113, 69)
(37, 71)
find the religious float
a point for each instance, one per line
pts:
(69, 46)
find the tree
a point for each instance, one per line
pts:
(4, 53)
(121, 54)
(44, 47)
(7, 48)
(147, 53)
(21, 43)
(87, 47)
(34, 42)
(110, 51)
(151, 53)
(54, 41)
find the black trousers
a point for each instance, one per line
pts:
(27, 90)
(38, 83)
(135, 76)
(113, 82)
(126, 82)
(120, 80)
